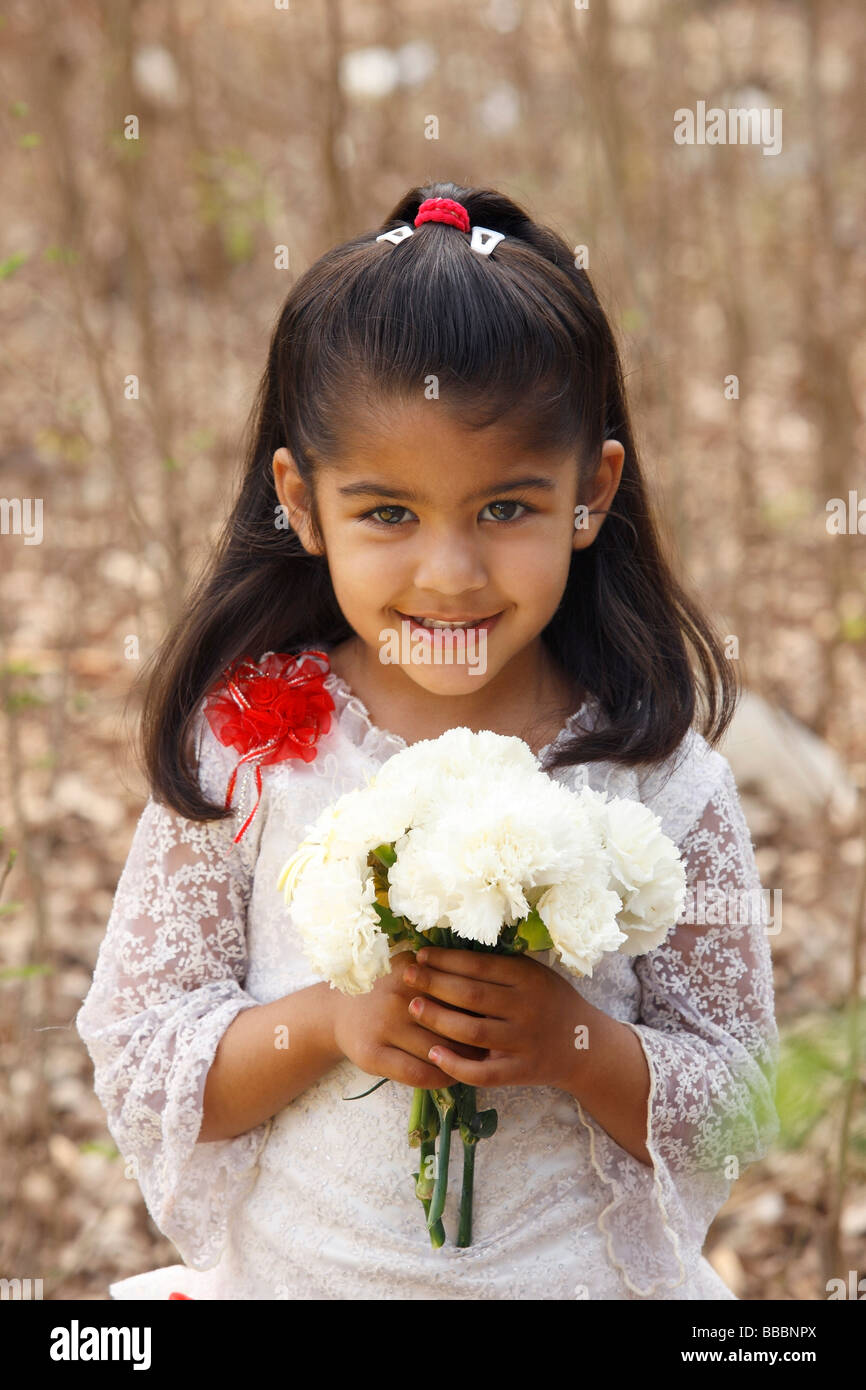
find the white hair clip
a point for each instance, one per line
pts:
(483, 239)
(396, 235)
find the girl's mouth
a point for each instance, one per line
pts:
(476, 626)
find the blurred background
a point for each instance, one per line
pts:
(169, 168)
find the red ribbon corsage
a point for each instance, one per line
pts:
(271, 710)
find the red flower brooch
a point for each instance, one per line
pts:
(271, 710)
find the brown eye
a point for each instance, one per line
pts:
(374, 518)
(510, 502)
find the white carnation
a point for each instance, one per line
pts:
(580, 915)
(442, 767)
(360, 820)
(492, 841)
(338, 925)
(457, 754)
(481, 836)
(646, 871)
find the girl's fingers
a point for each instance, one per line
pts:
(404, 1067)
(463, 1028)
(493, 1071)
(419, 1040)
(495, 970)
(464, 992)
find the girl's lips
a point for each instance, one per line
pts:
(484, 626)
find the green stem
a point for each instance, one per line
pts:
(425, 1185)
(446, 1107)
(464, 1228)
(465, 1096)
(424, 1182)
(371, 1090)
(437, 1230)
(466, 1109)
(416, 1118)
(429, 1117)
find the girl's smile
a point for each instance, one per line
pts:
(437, 623)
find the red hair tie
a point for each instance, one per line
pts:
(456, 215)
(270, 711)
(443, 210)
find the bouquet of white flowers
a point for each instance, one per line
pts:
(463, 841)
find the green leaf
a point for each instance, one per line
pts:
(95, 1146)
(200, 439)
(23, 699)
(484, 1123)
(12, 263)
(853, 627)
(239, 242)
(64, 254)
(361, 1094)
(387, 920)
(18, 668)
(813, 1066)
(533, 931)
(23, 972)
(385, 854)
(466, 1108)
(782, 511)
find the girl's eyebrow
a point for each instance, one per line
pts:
(382, 489)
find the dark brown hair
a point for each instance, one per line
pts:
(517, 336)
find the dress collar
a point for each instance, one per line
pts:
(356, 723)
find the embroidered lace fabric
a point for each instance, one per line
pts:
(318, 1202)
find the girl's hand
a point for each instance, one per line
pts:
(377, 1032)
(521, 1013)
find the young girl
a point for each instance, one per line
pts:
(441, 435)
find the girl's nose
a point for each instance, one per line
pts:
(449, 564)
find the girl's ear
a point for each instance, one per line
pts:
(588, 519)
(293, 494)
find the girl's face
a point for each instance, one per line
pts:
(427, 519)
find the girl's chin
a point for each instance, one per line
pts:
(445, 681)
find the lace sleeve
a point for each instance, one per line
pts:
(168, 982)
(708, 1031)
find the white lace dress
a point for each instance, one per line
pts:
(318, 1202)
